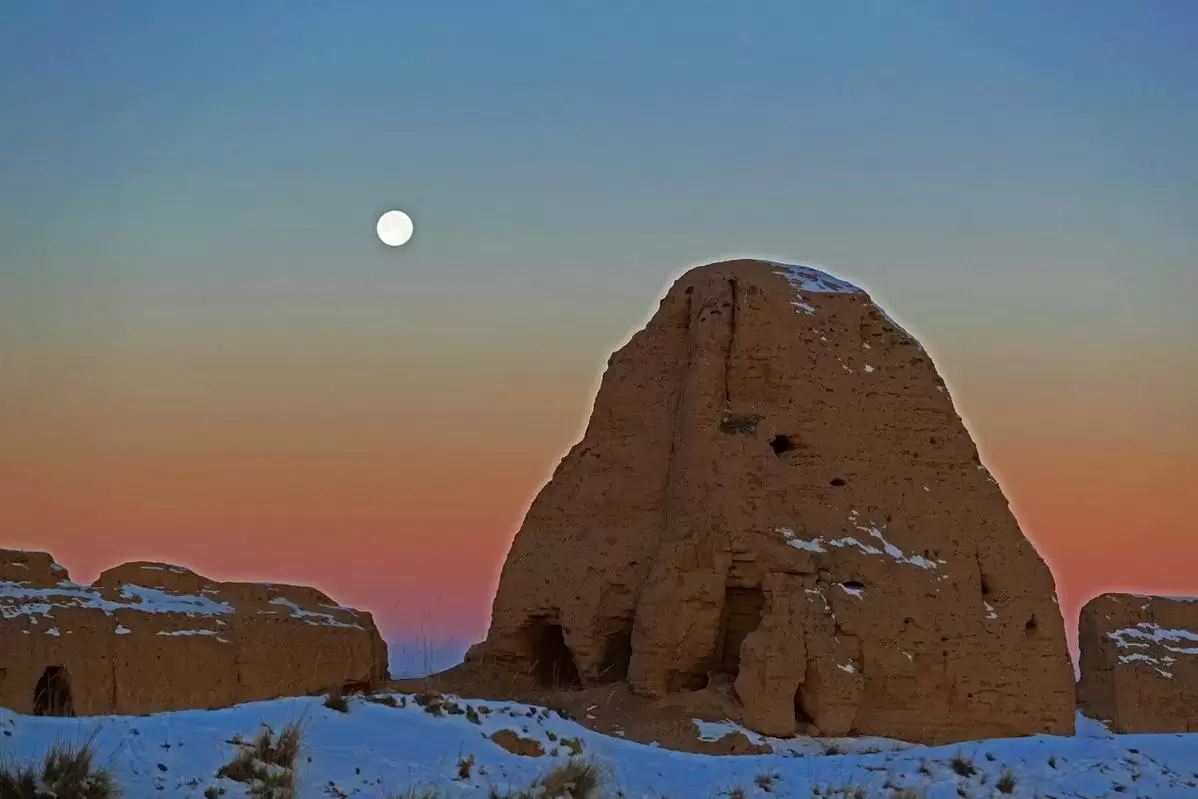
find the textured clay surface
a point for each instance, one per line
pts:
(1139, 662)
(775, 492)
(148, 637)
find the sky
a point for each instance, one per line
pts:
(208, 358)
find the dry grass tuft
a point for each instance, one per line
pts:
(574, 779)
(963, 765)
(765, 782)
(1006, 782)
(66, 771)
(266, 764)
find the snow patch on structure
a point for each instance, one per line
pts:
(18, 599)
(819, 543)
(807, 278)
(311, 617)
(1146, 633)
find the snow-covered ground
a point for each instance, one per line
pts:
(378, 751)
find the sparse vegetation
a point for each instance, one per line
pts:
(1006, 782)
(574, 779)
(765, 782)
(833, 749)
(335, 701)
(736, 793)
(66, 771)
(464, 766)
(963, 765)
(266, 763)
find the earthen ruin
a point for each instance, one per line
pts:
(148, 637)
(775, 493)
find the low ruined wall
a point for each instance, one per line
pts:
(149, 637)
(1139, 662)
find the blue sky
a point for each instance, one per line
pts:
(186, 235)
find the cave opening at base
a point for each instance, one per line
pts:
(617, 654)
(741, 616)
(802, 717)
(52, 695)
(553, 664)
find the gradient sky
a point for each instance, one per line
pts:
(207, 357)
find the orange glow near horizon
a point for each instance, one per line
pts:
(404, 504)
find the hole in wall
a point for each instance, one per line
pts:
(836, 481)
(781, 443)
(1031, 626)
(52, 694)
(802, 717)
(617, 654)
(553, 664)
(741, 616)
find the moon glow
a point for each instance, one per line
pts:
(394, 228)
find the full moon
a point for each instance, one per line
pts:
(394, 228)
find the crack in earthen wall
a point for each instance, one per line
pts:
(731, 344)
(679, 393)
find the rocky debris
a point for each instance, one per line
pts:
(514, 743)
(774, 487)
(1139, 662)
(148, 637)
